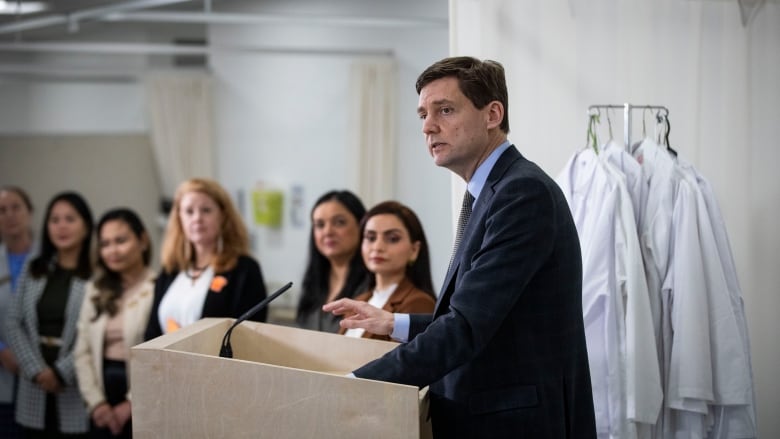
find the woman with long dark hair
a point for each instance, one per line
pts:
(396, 254)
(335, 268)
(42, 322)
(113, 318)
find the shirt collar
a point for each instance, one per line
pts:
(480, 176)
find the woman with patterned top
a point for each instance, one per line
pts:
(42, 322)
(16, 244)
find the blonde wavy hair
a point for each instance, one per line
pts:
(177, 251)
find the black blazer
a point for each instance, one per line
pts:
(504, 351)
(244, 289)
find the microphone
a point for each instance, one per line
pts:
(225, 351)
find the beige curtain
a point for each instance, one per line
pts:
(373, 124)
(181, 126)
(719, 78)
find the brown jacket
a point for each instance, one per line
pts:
(406, 299)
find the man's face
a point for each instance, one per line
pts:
(456, 132)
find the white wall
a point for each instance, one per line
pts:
(67, 93)
(283, 119)
(110, 171)
(66, 107)
(719, 80)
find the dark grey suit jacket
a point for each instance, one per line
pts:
(504, 352)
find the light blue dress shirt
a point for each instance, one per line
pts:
(474, 186)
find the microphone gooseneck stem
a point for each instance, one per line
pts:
(225, 350)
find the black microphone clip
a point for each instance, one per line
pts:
(225, 351)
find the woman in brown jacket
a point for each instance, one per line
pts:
(395, 252)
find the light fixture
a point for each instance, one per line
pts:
(21, 8)
(72, 19)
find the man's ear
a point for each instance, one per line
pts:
(495, 114)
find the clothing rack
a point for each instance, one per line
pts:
(627, 108)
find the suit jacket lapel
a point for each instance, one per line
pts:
(485, 197)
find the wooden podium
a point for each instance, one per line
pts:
(283, 382)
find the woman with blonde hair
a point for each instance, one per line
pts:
(206, 267)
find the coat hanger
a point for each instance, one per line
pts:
(658, 132)
(594, 116)
(666, 136)
(636, 144)
(662, 118)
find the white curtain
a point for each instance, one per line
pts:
(373, 122)
(181, 126)
(719, 79)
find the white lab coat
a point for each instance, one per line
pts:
(655, 227)
(705, 355)
(635, 180)
(592, 196)
(675, 276)
(644, 396)
(619, 332)
(729, 414)
(730, 421)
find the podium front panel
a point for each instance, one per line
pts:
(282, 383)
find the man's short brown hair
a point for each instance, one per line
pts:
(482, 82)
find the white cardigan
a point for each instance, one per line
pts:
(88, 353)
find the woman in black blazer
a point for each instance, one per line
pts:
(335, 268)
(207, 270)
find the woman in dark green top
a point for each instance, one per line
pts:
(42, 322)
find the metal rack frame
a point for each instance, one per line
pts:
(627, 108)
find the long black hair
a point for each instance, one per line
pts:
(109, 282)
(315, 280)
(419, 271)
(43, 263)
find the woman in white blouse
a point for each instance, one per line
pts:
(113, 317)
(207, 270)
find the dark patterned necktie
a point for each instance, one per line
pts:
(463, 220)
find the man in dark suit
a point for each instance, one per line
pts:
(504, 351)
